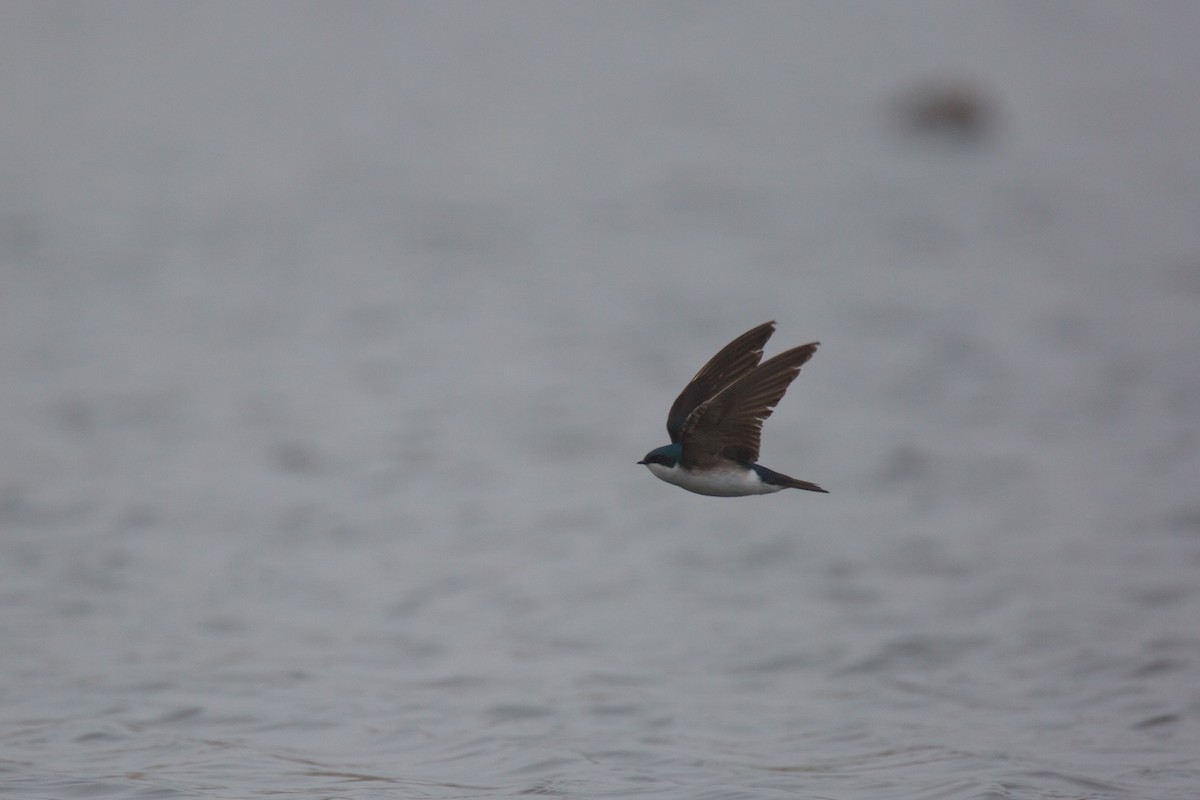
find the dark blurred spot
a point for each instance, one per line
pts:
(953, 112)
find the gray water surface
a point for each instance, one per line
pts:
(330, 334)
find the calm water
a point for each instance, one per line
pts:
(329, 337)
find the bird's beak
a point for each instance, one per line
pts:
(641, 462)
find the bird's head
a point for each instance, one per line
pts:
(668, 456)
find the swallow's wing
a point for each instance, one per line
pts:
(730, 424)
(736, 359)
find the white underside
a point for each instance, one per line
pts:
(721, 483)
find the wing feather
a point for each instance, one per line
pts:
(729, 424)
(734, 361)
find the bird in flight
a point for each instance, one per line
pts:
(716, 422)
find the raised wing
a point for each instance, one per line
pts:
(730, 424)
(735, 360)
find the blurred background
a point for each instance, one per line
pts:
(330, 334)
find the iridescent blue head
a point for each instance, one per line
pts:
(668, 455)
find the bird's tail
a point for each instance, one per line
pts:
(786, 481)
(792, 483)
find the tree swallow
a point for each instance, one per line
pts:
(716, 422)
